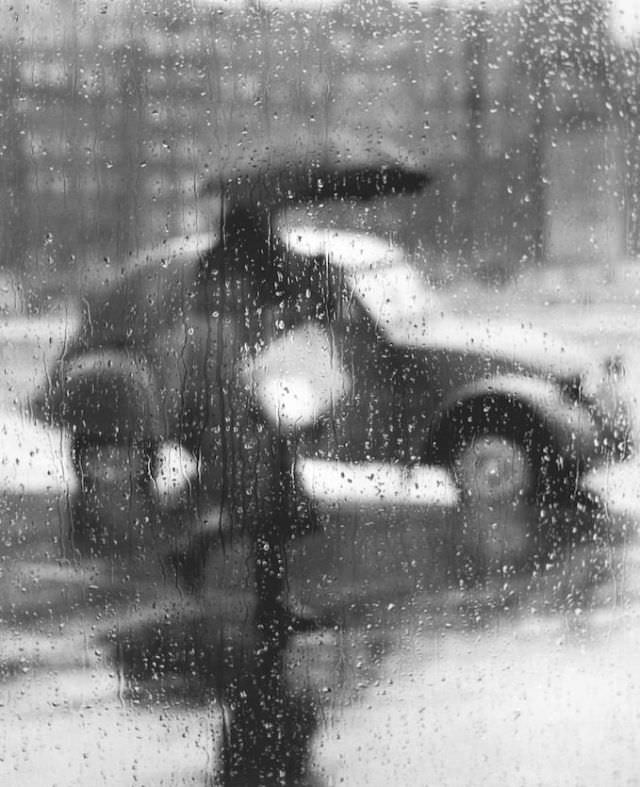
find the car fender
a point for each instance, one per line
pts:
(559, 427)
(106, 394)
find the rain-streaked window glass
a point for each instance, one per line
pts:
(318, 392)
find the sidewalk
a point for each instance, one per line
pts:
(27, 347)
(33, 458)
(72, 728)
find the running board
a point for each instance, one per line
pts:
(376, 482)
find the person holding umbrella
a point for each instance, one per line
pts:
(256, 297)
(258, 276)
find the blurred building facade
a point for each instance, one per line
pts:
(111, 118)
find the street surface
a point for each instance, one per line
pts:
(524, 681)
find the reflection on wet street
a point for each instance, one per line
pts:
(541, 698)
(113, 674)
(107, 675)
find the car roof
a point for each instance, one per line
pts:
(392, 291)
(345, 249)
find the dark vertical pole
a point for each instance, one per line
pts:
(612, 120)
(475, 65)
(131, 137)
(537, 182)
(629, 103)
(14, 217)
(541, 36)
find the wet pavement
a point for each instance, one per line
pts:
(111, 674)
(112, 679)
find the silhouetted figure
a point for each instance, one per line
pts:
(267, 742)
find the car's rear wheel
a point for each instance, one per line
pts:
(113, 506)
(498, 481)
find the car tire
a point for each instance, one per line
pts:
(112, 510)
(500, 480)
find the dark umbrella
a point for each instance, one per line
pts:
(299, 167)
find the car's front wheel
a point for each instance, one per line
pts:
(498, 481)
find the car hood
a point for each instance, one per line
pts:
(512, 341)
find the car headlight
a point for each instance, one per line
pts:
(600, 382)
(603, 390)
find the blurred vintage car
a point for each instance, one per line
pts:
(364, 368)
(334, 341)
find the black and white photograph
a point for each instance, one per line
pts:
(319, 393)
